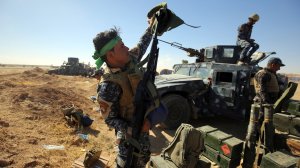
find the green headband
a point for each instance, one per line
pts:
(99, 62)
(98, 55)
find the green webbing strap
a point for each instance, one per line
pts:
(151, 89)
(155, 98)
(138, 154)
(134, 143)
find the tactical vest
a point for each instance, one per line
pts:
(128, 81)
(272, 85)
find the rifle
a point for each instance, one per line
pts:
(191, 52)
(142, 99)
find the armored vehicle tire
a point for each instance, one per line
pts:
(179, 111)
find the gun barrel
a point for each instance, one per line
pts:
(174, 44)
(191, 52)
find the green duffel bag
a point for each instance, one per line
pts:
(279, 160)
(220, 159)
(287, 123)
(226, 144)
(185, 148)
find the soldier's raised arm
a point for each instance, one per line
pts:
(139, 50)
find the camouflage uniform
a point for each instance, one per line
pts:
(110, 94)
(266, 87)
(267, 92)
(244, 40)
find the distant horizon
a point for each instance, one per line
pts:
(291, 75)
(28, 65)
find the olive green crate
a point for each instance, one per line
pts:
(220, 159)
(225, 143)
(293, 107)
(279, 160)
(160, 162)
(287, 123)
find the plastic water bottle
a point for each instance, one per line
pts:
(54, 147)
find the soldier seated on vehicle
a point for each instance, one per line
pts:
(244, 40)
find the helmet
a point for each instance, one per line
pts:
(254, 17)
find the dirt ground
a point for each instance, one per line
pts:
(31, 117)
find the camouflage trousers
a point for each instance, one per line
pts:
(248, 48)
(122, 151)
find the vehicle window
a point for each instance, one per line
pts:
(183, 71)
(200, 73)
(224, 77)
(192, 71)
(228, 52)
(209, 53)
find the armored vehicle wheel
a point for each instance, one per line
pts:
(179, 111)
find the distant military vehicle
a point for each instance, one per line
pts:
(73, 67)
(213, 85)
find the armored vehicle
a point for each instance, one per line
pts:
(213, 85)
(73, 67)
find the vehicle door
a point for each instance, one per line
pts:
(224, 87)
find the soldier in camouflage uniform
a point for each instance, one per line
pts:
(266, 83)
(244, 40)
(117, 87)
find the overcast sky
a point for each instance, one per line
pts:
(47, 32)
